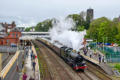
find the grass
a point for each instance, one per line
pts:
(42, 64)
(40, 61)
(115, 66)
(37, 49)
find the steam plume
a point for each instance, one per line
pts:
(61, 31)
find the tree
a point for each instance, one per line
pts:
(116, 20)
(101, 29)
(80, 28)
(79, 19)
(44, 26)
(28, 29)
(118, 35)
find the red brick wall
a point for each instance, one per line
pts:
(1, 41)
(13, 37)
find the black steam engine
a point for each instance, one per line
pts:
(73, 58)
(70, 56)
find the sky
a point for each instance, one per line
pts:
(30, 12)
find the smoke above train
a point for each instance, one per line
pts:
(62, 32)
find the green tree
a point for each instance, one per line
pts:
(28, 29)
(44, 26)
(118, 35)
(79, 20)
(80, 28)
(116, 20)
(102, 29)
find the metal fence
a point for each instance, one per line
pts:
(5, 49)
(113, 58)
(112, 54)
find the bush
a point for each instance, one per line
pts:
(37, 49)
(117, 66)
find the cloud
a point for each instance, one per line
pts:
(33, 11)
(20, 21)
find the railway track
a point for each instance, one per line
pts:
(99, 73)
(44, 69)
(84, 76)
(59, 70)
(91, 75)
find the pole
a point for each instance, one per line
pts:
(96, 43)
(103, 44)
(106, 39)
(17, 59)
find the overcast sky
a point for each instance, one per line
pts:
(29, 12)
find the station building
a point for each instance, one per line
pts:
(9, 34)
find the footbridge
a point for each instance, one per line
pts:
(34, 35)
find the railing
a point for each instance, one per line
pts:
(112, 54)
(8, 49)
(31, 37)
(6, 69)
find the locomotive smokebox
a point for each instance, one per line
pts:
(74, 51)
(73, 54)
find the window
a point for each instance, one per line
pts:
(13, 34)
(16, 35)
(7, 41)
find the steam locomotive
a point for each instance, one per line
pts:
(71, 57)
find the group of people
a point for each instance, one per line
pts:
(33, 63)
(91, 53)
(33, 57)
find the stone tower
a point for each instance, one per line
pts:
(119, 18)
(90, 14)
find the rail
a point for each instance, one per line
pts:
(101, 71)
(8, 49)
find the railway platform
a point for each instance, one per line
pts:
(28, 69)
(95, 60)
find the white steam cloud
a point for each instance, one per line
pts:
(62, 32)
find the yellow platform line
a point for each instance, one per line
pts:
(36, 60)
(6, 69)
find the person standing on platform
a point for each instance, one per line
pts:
(31, 55)
(99, 58)
(88, 48)
(27, 53)
(24, 76)
(103, 59)
(90, 54)
(31, 78)
(85, 51)
(22, 63)
(95, 53)
(33, 64)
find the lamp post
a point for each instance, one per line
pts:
(103, 44)
(17, 58)
(106, 39)
(96, 43)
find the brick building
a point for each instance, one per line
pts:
(9, 34)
